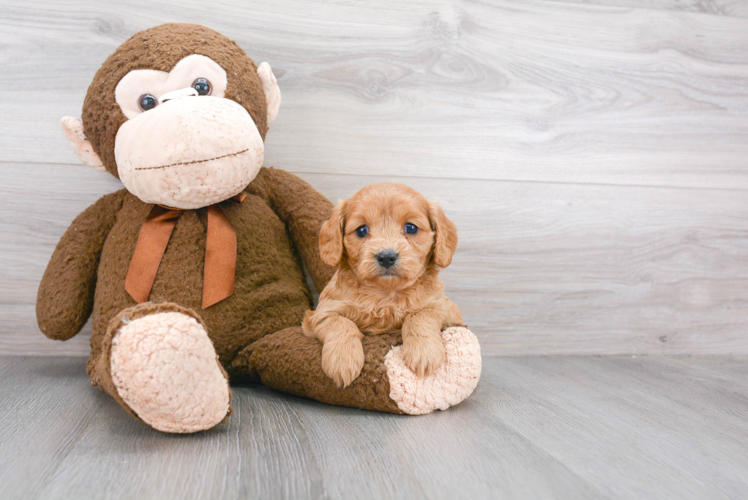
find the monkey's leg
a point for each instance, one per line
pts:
(158, 362)
(289, 361)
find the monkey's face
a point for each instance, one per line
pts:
(179, 113)
(184, 144)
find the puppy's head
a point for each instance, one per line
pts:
(388, 234)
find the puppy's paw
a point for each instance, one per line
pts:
(423, 354)
(342, 360)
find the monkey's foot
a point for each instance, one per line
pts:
(165, 369)
(289, 361)
(449, 385)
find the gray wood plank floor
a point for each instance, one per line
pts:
(537, 427)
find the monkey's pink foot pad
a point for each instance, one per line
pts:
(165, 368)
(449, 385)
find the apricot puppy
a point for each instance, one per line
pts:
(388, 244)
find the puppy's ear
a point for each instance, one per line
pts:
(331, 237)
(445, 242)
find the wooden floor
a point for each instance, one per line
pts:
(536, 427)
(593, 156)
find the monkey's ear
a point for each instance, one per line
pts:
(331, 237)
(272, 92)
(73, 130)
(445, 242)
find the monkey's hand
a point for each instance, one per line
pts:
(66, 292)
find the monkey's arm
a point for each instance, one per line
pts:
(303, 210)
(66, 292)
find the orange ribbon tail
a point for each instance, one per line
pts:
(220, 258)
(152, 241)
(220, 253)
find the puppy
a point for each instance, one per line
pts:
(388, 244)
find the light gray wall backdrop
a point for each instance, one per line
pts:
(594, 154)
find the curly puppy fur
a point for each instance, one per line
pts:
(371, 293)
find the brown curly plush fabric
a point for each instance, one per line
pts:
(255, 331)
(291, 362)
(66, 293)
(161, 48)
(270, 291)
(99, 368)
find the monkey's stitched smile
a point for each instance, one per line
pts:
(193, 161)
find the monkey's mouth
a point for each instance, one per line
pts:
(194, 161)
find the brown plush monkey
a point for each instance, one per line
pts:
(194, 273)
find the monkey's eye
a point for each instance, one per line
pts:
(147, 101)
(411, 228)
(202, 85)
(362, 231)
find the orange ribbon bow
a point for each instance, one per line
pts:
(220, 253)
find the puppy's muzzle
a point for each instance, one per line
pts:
(387, 258)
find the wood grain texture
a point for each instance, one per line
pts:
(533, 90)
(734, 8)
(535, 428)
(540, 268)
(591, 153)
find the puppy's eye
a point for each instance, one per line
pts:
(411, 228)
(362, 231)
(202, 85)
(147, 101)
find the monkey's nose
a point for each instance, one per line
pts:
(176, 94)
(387, 258)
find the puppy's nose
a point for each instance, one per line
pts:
(387, 258)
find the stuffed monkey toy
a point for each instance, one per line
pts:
(194, 272)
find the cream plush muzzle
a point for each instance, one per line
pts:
(189, 152)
